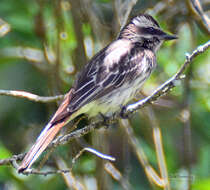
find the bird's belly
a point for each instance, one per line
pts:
(114, 100)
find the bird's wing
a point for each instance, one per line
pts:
(102, 75)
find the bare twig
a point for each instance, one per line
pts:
(45, 173)
(128, 7)
(140, 154)
(159, 7)
(71, 181)
(123, 11)
(93, 151)
(30, 96)
(99, 29)
(76, 134)
(115, 173)
(160, 91)
(12, 159)
(161, 157)
(157, 137)
(196, 5)
(4, 28)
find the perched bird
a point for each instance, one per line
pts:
(108, 81)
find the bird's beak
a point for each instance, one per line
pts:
(169, 37)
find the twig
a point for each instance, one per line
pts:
(93, 151)
(76, 134)
(12, 159)
(160, 91)
(115, 174)
(140, 154)
(4, 28)
(128, 5)
(157, 137)
(123, 11)
(70, 180)
(159, 7)
(30, 96)
(45, 173)
(196, 5)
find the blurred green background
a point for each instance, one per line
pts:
(44, 43)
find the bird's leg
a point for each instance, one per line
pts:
(123, 114)
(104, 118)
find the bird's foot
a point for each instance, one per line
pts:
(105, 119)
(123, 113)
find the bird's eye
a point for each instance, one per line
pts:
(151, 28)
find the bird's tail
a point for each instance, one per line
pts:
(60, 118)
(40, 145)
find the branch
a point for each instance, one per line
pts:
(160, 91)
(205, 20)
(30, 96)
(13, 158)
(4, 28)
(123, 11)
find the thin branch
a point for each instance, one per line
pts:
(128, 6)
(160, 91)
(70, 180)
(76, 134)
(9, 161)
(30, 96)
(159, 7)
(162, 177)
(13, 161)
(93, 151)
(141, 156)
(198, 10)
(122, 11)
(157, 137)
(115, 174)
(4, 28)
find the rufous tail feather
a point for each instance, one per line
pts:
(46, 136)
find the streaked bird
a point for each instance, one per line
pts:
(108, 81)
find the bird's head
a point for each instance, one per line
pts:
(145, 30)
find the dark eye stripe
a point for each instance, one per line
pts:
(151, 31)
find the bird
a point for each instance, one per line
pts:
(108, 81)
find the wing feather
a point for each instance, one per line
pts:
(99, 78)
(106, 77)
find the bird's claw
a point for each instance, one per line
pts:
(123, 113)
